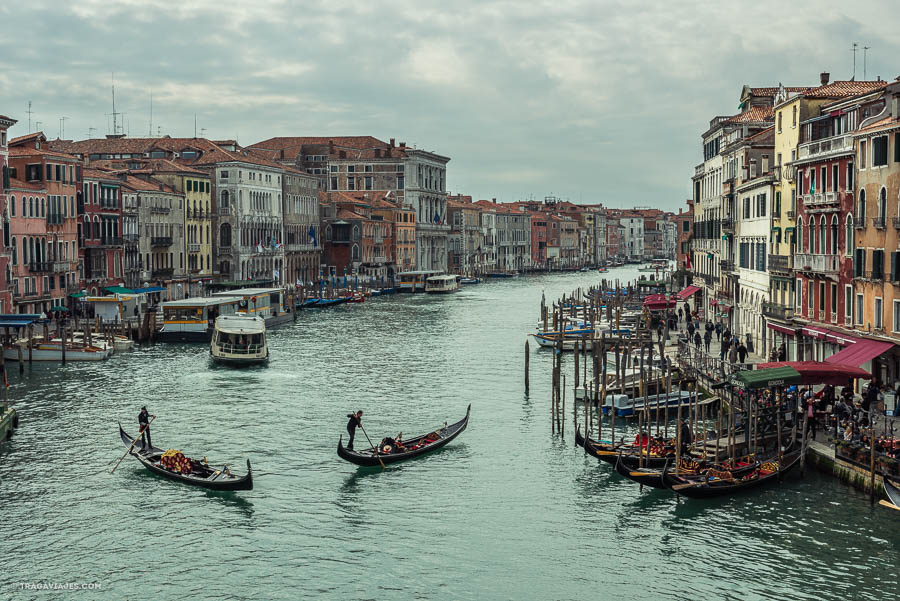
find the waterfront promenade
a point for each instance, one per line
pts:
(505, 512)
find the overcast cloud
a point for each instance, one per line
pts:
(591, 101)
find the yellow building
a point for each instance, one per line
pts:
(195, 186)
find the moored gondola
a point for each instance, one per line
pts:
(691, 470)
(404, 449)
(609, 452)
(723, 483)
(200, 473)
(893, 493)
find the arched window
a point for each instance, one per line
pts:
(15, 252)
(96, 228)
(861, 207)
(799, 232)
(43, 249)
(882, 205)
(30, 206)
(834, 234)
(849, 236)
(43, 207)
(24, 212)
(12, 206)
(224, 199)
(225, 234)
(356, 232)
(356, 252)
(822, 238)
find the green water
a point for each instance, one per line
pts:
(506, 511)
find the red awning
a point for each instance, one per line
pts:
(725, 308)
(860, 352)
(816, 333)
(819, 372)
(781, 329)
(658, 302)
(687, 292)
(713, 302)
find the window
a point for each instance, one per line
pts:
(861, 207)
(400, 181)
(777, 209)
(351, 168)
(799, 289)
(848, 304)
(223, 175)
(809, 295)
(848, 185)
(859, 309)
(880, 151)
(794, 123)
(368, 180)
(878, 264)
(821, 296)
(334, 182)
(834, 300)
(878, 317)
(859, 263)
(834, 177)
(862, 155)
(12, 206)
(334, 168)
(780, 115)
(812, 181)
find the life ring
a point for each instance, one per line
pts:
(386, 448)
(16, 420)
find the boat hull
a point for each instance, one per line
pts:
(56, 355)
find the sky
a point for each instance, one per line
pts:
(599, 101)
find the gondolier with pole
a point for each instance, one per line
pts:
(144, 423)
(355, 420)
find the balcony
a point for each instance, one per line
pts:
(225, 249)
(728, 225)
(781, 262)
(112, 241)
(878, 222)
(160, 210)
(224, 211)
(791, 214)
(40, 267)
(859, 221)
(160, 241)
(61, 266)
(824, 264)
(726, 265)
(776, 311)
(724, 294)
(821, 149)
(896, 222)
(132, 237)
(163, 272)
(193, 248)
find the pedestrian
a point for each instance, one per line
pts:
(727, 334)
(659, 332)
(749, 343)
(690, 330)
(355, 420)
(718, 331)
(680, 314)
(144, 423)
(811, 417)
(697, 339)
(732, 355)
(707, 339)
(742, 352)
(782, 353)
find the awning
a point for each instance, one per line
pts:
(713, 302)
(841, 339)
(119, 290)
(14, 323)
(860, 352)
(781, 329)
(78, 294)
(725, 308)
(658, 302)
(149, 289)
(817, 333)
(764, 378)
(776, 228)
(688, 292)
(820, 372)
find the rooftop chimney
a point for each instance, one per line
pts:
(330, 146)
(392, 142)
(765, 163)
(824, 77)
(494, 200)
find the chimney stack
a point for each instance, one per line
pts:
(330, 146)
(494, 200)
(392, 142)
(824, 77)
(765, 163)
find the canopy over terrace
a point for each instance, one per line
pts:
(658, 302)
(766, 378)
(819, 372)
(688, 292)
(858, 353)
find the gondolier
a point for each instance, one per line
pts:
(144, 424)
(355, 420)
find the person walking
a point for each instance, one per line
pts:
(742, 352)
(355, 420)
(811, 417)
(707, 339)
(732, 354)
(718, 331)
(697, 339)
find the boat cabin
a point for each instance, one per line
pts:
(442, 284)
(192, 319)
(261, 302)
(239, 339)
(414, 281)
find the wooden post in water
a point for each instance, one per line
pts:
(872, 463)
(576, 354)
(804, 440)
(778, 417)
(30, 343)
(719, 428)
(527, 358)
(562, 414)
(21, 360)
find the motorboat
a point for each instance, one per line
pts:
(239, 340)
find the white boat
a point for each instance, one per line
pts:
(192, 319)
(53, 351)
(239, 340)
(442, 284)
(121, 343)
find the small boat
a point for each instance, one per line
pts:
(404, 449)
(628, 466)
(354, 298)
(121, 343)
(728, 483)
(52, 350)
(628, 406)
(503, 274)
(469, 281)
(892, 491)
(201, 474)
(239, 340)
(609, 451)
(603, 270)
(442, 284)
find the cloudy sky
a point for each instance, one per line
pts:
(593, 101)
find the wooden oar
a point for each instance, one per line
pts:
(373, 446)
(141, 431)
(888, 504)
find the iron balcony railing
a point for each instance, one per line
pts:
(828, 264)
(161, 241)
(778, 311)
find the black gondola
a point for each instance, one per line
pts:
(628, 466)
(201, 474)
(610, 452)
(893, 493)
(717, 487)
(407, 449)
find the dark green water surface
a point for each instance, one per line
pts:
(507, 511)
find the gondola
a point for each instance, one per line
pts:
(704, 488)
(407, 449)
(201, 474)
(609, 452)
(893, 493)
(629, 467)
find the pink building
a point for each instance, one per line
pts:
(5, 272)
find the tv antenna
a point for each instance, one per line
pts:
(150, 130)
(90, 133)
(62, 127)
(37, 125)
(865, 49)
(114, 113)
(855, 45)
(29, 111)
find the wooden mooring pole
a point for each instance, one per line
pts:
(527, 358)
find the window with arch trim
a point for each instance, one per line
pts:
(849, 236)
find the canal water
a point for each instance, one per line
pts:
(507, 511)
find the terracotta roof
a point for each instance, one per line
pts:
(22, 184)
(30, 151)
(27, 137)
(348, 214)
(754, 114)
(89, 173)
(773, 91)
(141, 185)
(842, 89)
(880, 124)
